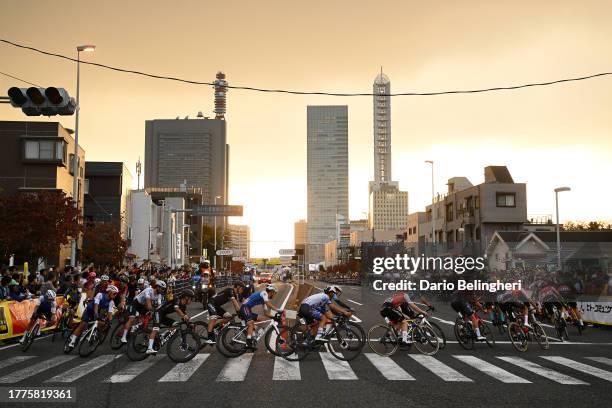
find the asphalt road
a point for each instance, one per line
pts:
(576, 373)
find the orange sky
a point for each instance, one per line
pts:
(558, 135)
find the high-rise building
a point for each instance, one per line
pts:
(388, 206)
(300, 232)
(239, 237)
(327, 175)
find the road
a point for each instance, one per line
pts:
(568, 374)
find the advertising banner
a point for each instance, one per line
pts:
(596, 312)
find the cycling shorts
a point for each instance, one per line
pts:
(245, 313)
(392, 314)
(42, 311)
(215, 311)
(310, 314)
(463, 307)
(137, 308)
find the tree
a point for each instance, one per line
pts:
(35, 225)
(587, 226)
(103, 244)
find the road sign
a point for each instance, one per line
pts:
(217, 210)
(239, 258)
(224, 252)
(286, 252)
(286, 258)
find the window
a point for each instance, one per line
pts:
(45, 150)
(506, 200)
(86, 190)
(31, 150)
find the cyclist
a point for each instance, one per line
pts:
(102, 285)
(315, 308)
(144, 303)
(215, 307)
(395, 308)
(245, 312)
(101, 302)
(46, 308)
(177, 305)
(464, 303)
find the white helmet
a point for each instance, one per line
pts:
(112, 288)
(271, 288)
(141, 281)
(334, 289)
(104, 278)
(50, 295)
(161, 284)
(97, 281)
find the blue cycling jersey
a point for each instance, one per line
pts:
(317, 301)
(103, 301)
(257, 298)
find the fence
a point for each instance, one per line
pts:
(340, 280)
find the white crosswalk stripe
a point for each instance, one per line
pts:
(583, 368)
(286, 370)
(440, 369)
(34, 369)
(388, 368)
(133, 370)
(543, 371)
(13, 360)
(182, 372)
(79, 371)
(236, 368)
(337, 369)
(492, 370)
(602, 360)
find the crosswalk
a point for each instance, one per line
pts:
(453, 368)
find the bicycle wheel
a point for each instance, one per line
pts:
(486, 331)
(541, 336)
(297, 344)
(274, 344)
(115, 337)
(383, 340)
(232, 341)
(201, 330)
(29, 339)
(346, 343)
(137, 345)
(517, 337)
(463, 334)
(439, 334)
(89, 343)
(183, 346)
(425, 340)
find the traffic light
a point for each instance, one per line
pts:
(36, 101)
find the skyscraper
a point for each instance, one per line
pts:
(327, 175)
(388, 206)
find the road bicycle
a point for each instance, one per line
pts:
(232, 339)
(520, 335)
(344, 339)
(93, 337)
(466, 335)
(182, 342)
(66, 323)
(117, 333)
(385, 340)
(31, 334)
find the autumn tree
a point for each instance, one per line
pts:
(36, 224)
(103, 244)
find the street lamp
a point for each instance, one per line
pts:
(557, 191)
(433, 212)
(75, 158)
(215, 255)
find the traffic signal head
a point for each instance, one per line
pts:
(36, 101)
(17, 96)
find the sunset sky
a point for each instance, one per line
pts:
(548, 136)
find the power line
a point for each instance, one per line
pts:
(19, 79)
(323, 93)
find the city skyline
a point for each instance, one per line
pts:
(548, 137)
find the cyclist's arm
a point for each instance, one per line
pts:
(417, 309)
(338, 310)
(149, 304)
(269, 305)
(179, 312)
(342, 304)
(235, 303)
(427, 303)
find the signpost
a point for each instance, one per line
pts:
(217, 210)
(286, 252)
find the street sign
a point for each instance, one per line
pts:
(285, 258)
(239, 258)
(286, 252)
(217, 210)
(224, 252)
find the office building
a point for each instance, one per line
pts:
(239, 240)
(327, 175)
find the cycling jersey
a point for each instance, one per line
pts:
(223, 297)
(257, 298)
(45, 308)
(167, 308)
(398, 300)
(103, 301)
(318, 301)
(147, 293)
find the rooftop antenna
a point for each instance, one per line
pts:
(138, 171)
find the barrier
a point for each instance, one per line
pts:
(596, 312)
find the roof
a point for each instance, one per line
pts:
(381, 79)
(103, 168)
(551, 236)
(497, 174)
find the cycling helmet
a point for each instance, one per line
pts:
(104, 278)
(141, 281)
(333, 289)
(271, 288)
(112, 288)
(97, 281)
(188, 293)
(161, 284)
(246, 269)
(50, 295)
(123, 278)
(91, 275)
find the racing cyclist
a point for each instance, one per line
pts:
(464, 303)
(102, 301)
(46, 308)
(396, 308)
(142, 304)
(216, 311)
(245, 312)
(315, 308)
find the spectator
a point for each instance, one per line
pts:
(49, 283)
(14, 293)
(4, 287)
(33, 285)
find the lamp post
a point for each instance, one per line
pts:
(75, 159)
(215, 255)
(433, 210)
(149, 244)
(557, 191)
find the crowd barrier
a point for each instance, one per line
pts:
(341, 281)
(596, 312)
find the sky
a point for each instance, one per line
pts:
(548, 137)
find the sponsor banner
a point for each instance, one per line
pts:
(596, 312)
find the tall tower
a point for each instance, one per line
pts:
(220, 95)
(382, 128)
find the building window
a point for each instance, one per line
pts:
(86, 189)
(449, 212)
(45, 150)
(31, 150)
(506, 199)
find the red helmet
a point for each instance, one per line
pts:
(91, 275)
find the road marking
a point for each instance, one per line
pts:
(389, 368)
(337, 369)
(184, 371)
(17, 344)
(357, 303)
(602, 360)
(286, 370)
(543, 371)
(13, 360)
(443, 321)
(583, 368)
(287, 298)
(440, 369)
(79, 371)
(199, 314)
(35, 369)
(132, 370)
(492, 370)
(236, 368)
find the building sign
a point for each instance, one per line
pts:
(178, 246)
(286, 252)
(217, 210)
(224, 252)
